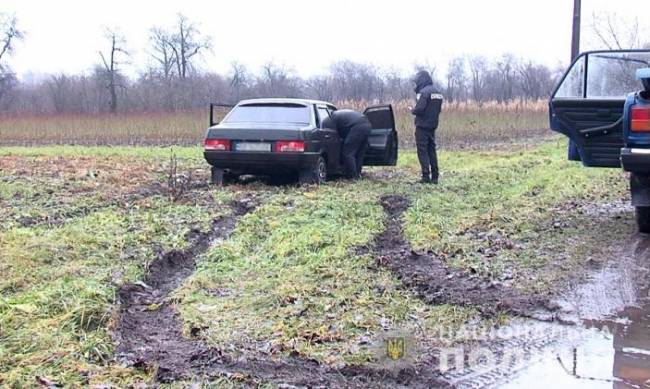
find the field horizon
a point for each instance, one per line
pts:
(461, 124)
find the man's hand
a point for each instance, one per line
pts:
(410, 108)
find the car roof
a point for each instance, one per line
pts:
(284, 101)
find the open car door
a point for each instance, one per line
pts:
(587, 105)
(383, 138)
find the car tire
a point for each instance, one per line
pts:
(643, 219)
(315, 175)
(219, 177)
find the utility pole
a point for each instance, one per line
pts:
(575, 38)
(574, 153)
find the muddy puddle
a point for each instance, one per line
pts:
(603, 343)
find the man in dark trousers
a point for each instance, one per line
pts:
(354, 129)
(426, 111)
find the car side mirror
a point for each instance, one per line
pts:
(644, 76)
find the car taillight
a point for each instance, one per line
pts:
(640, 119)
(217, 144)
(289, 146)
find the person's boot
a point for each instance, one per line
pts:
(434, 180)
(426, 179)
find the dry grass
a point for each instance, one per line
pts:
(461, 124)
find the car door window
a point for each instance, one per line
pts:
(322, 114)
(603, 75)
(613, 75)
(573, 84)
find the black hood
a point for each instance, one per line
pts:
(422, 79)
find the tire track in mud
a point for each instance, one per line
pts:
(436, 283)
(149, 334)
(149, 331)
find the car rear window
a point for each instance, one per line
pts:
(270, 113)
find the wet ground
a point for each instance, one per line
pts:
(595, 334)
(604, 343)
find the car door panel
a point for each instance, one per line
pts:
(588, 104)
(595, 126)
(382, 143)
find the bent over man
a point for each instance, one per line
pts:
(354, 129)
(426, 111)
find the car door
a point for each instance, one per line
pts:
(383, 141)
(587, 105)
(331, 140)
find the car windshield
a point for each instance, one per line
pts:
(270, 113)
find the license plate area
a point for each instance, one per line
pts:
(253, 146)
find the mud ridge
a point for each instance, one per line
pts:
(148, 332)
(149, 335)
(437, 283)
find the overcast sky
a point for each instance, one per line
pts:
(306, 36)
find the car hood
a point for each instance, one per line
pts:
(257, 131)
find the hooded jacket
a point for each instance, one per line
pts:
(428, 102)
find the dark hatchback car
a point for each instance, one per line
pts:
(284, 138)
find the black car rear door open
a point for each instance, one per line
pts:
(587, 106)
(383, 142)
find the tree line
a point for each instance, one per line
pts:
(174, 80)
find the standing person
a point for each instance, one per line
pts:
(426, 111)
(354, 129)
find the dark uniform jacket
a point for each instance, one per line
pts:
(345, 119)
(429, 102)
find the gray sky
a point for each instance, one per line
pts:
(305, 35)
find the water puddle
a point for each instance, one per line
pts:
(606, 343)
(602, 354)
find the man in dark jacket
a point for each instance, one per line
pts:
(426, 111)
(354, 129)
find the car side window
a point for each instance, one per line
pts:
(573, 84)
(612, 75)
(322, 114)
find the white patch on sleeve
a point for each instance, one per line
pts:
(417, 97)
(436, 96)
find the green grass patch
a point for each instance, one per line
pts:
(57, 293)
(289, 278)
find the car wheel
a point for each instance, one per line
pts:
(643, 219)
(217, 176)
(317, 174)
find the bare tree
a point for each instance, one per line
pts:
(111, 66)
(534, 80)
(278, 80)
(57, 87)
(320, 87)
(478, 67)
(163, 51)
(186, 44)
(354, 81)
(9, 34)
(615, 32)
(505, 72)
(456, 79)
(239, 79)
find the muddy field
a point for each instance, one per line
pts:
(124, 268)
